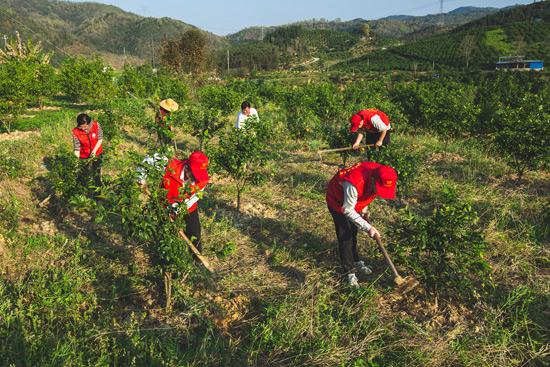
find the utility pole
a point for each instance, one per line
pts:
(5, 42)
(227, 60)
(441, 12)
(152, 55)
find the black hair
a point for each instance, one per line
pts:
(245, 104)
(82, 119)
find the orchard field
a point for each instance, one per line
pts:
(98, 276)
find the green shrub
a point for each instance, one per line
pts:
(406, 164)
(69, 176)
(10, 167)
(445, 249)
(522, 134)
(201, 122)
(219, 98)
(243, 154)
(88, 80)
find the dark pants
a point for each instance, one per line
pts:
(372, 138)
(346, 232)
(193, 229)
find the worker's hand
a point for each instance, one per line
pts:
(356, 146)
(379, 143)
(373, 232)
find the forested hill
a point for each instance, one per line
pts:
(89, 27)
(396, 26)
(522, 30)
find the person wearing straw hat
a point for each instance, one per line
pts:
(374, 124)
(348, 195)
(164, 120)
(191, 174)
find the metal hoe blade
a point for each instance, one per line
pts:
(404, 285)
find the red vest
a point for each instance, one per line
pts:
(368, 114)
(360, 175)
(88, 141)
(172, 182)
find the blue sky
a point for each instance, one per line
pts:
(225, 17)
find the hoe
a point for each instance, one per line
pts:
(404, 285)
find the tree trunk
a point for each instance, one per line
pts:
(239, 199)
(168, 290)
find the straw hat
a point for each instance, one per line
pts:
(169, 105)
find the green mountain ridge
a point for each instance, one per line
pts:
(522, 30)
(396, 26)
(89, 28)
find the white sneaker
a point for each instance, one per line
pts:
(360, 265)
(353, 281)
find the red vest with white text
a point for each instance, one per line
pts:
(172, 182)
(88, 141)
(359, 175)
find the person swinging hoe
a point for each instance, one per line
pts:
(191, 174)
(374, 124)
(348, 195)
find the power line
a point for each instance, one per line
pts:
(10, 16)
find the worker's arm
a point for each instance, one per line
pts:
(358, 141)
(76, 147)
(99, 140)
(381, 138)
(380, 126)
(350, 200)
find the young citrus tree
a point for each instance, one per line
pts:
(84, 79)
(244, 155)
(448, 109)
(523, 134)
(445, 249)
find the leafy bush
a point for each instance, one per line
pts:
(219, 98)
(448, 109)
(523, 134)
(405, 163)
(23, 83)
(89, 80)
(445, 249)
(69, 176)
(202, 122)
(146, 82)
(10, 167)
(243, 154)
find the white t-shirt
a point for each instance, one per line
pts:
(241, 118)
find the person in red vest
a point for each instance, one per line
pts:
(191, 173)
(348, 195)
(88, 144)
(375, 124)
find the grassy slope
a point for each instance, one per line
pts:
(85, 294)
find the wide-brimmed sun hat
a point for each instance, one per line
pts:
(169, 105)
